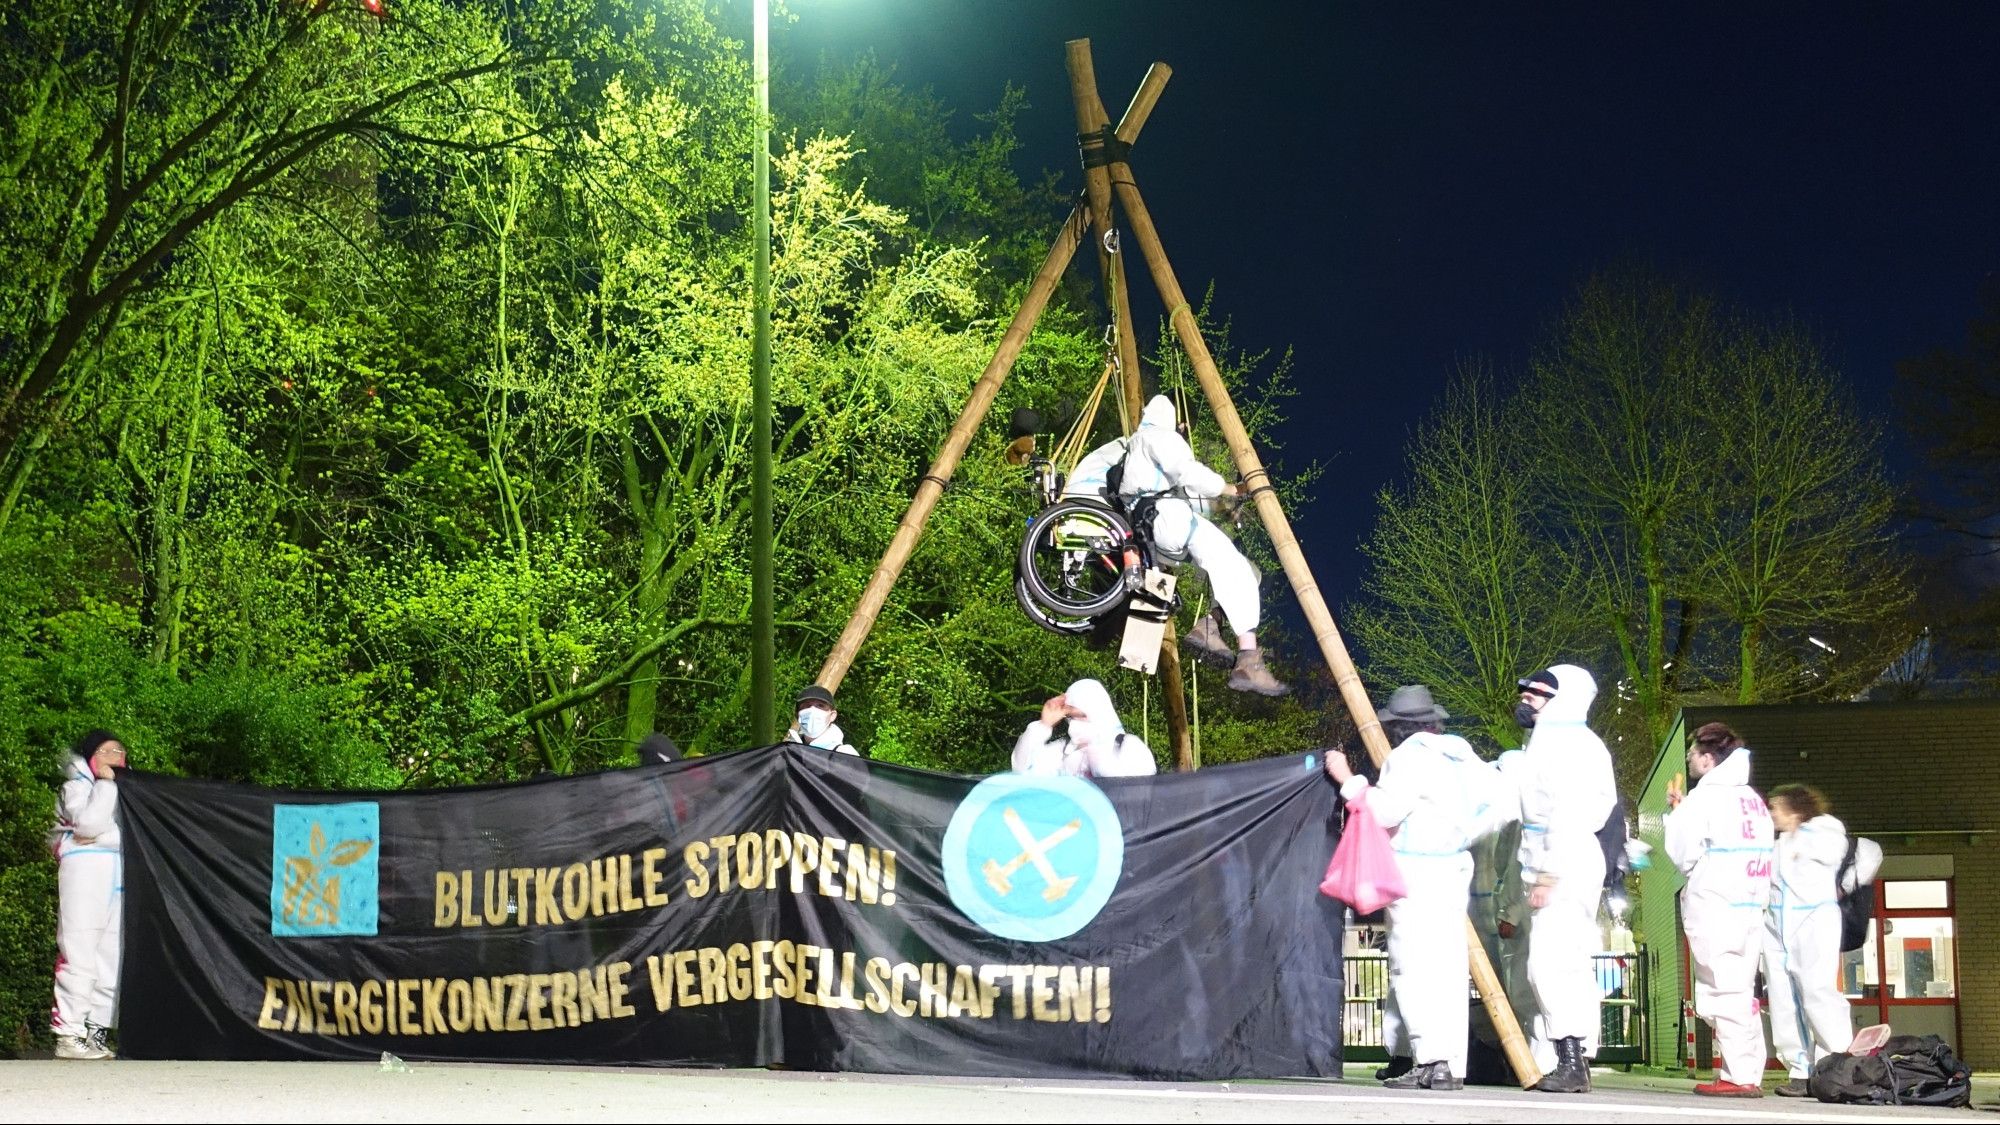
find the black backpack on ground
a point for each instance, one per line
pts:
(1908, 1070)
(1856, 906)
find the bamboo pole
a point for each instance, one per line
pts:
(1251, 468)
(1090, 119)
(931, 487)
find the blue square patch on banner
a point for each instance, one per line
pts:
(324, 869)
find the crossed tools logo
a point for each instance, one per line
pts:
(1033, 858)
(324, 869)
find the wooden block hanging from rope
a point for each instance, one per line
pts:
(1146, 620)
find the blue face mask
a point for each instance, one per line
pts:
(813, 722)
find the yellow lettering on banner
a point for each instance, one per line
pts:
(714, 981)
(614, 975)
(1104, 994)
(684, 979)
(760, 966)
(660, 970)
(267, 1015)
(546, 913)
(722, 845)
(603, 888)
(847, 996)
(345, 1020)
(626, 899)
(823, 995)
(989, 989)
(787, 983)
(1045, 993)
(739, 971)
(649, 864)
(876, 974)
(777, 852)
(1073, 993)
(562, 1000)
(433, 992)
(447, 900)
(749, 860)
(805, 857)
(489, 1004)
(458, 1004)
(1018, 975)
(517, 1001)
(964, 993)
(696, 855)
(407, 995)
(829, 865)
(576, 891)
(371, 1007)
(467, 916)
(592, 999)
(322, 1021)
(538, 985)
(931, 1001)
(524, 877)
(804, 956)
(496, 898)
(901, 972)
(864, 873)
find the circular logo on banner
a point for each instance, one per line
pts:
(1033, 858)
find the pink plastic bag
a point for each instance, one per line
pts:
(1363, 871)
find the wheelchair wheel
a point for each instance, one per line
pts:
(1041, 615)
(1071, 561)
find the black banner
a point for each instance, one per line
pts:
(776, 906)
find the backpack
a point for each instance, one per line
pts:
(1908, 1070)
(1612, 838)
(1857, 905)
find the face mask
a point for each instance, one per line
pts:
(812, 722)
(1524, 715)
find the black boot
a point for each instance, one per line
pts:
(1430, 1076)
(1572, 1073)
(1399, 1065)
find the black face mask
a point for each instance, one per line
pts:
(1524, 715)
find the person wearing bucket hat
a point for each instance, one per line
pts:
(1567, 792)
(1434, 796)
(815, 724)
(90, 867)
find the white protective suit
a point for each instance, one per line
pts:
(1434, 805)
(1567, 793)
(1810, 1018)
(1159, 463)
(1092, 474)
(1094, 746)
(1720, 838)
(832, 738)
(90, 878)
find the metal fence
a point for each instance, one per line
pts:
(1622, 1032)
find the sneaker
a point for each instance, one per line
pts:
(77, 1047)
(1722, 1088)
(1796, 1088)
(95, 1036)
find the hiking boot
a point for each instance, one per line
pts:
(1430, 1076)
(78, 1047)
(1399, 1065)
(1251, 675)
(1796, 1088)
(1572, 1072)
(1205, 638)
(1722, 1088)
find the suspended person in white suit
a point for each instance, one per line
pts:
(1435, 798)
(90, 877)
(1158, 463)
(1567, 792)
(1079, 735)
(1719, 835)
(1810, 1018)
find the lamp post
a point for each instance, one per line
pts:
(762, 584)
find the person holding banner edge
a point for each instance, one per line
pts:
(90, 895)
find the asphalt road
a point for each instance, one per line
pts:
(46, 1090)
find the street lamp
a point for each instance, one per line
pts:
(762, 583)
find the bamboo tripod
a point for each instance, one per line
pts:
(1107, 174)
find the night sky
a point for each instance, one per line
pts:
(1387, 189)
